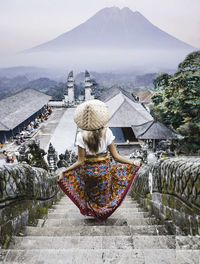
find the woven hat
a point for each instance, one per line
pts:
(91, 115)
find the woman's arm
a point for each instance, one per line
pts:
(119, 158)
(78, 163)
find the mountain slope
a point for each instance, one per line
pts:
(114, 28)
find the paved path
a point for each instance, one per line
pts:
(48, 128)
(65, 133)
(129, 236)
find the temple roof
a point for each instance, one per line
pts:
(16, 108)
(153, 130)
(70, 74)
(125, 111)
(110, 93)
(87, 74)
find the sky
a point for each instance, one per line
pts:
(27, 23)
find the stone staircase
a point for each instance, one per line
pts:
(128, 236)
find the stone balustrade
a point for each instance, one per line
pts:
(170, 189)
(25, 194)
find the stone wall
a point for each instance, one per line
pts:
(25, 194)
(170, 189)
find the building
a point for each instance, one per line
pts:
(89, 95)
(125, 111)
(18, 110)
(69, 93)
(68, 97)
(155, 131)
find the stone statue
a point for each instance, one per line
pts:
(52, 158)
(62, 162)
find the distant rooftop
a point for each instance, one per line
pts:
(144, 96)
(153, 130)
(20, 106)
(125, 111)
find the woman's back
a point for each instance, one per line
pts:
(85, 141)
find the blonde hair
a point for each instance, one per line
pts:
(92, 139)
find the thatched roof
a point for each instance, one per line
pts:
(20, 106)
(124, 110)
(153, 130)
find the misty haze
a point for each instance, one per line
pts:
(112, 40)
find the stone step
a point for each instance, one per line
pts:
(70, 242)
(127, 215)
(188, 242)
(66, 230)
(124, 203)
(99, 256)
(86, 221)
(126, 200)
(149, 230)
(61, 208)
(90, 221)
(106, 242)
(143, 221)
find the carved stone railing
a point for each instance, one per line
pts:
(170, 189)
(25, 194)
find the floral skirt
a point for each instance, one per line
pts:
(98, 188)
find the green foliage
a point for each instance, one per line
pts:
(57, 91)
(176, 101)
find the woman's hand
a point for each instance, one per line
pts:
(60, 176)
(137, 163)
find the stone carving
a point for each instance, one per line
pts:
(52, 158)
(62, 163)
(148, 156)
(67, 159)
(175, 192)
(25, 193)
(31, 153)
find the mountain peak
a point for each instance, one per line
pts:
(114, 8)
(113, 27)
(126, 9)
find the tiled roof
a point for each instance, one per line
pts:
(20, 106)
(153, 130)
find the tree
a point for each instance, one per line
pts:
(176, 101)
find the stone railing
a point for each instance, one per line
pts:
(170, 189)
(25, 194)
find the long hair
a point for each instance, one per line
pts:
(92, 139)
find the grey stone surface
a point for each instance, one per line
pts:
(160, 256)
(187, 256)
(25, 193)
(84, 240)
(170, 189)
(64, 135)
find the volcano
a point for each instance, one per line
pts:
(117, 29)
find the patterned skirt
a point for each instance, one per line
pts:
(98, 188)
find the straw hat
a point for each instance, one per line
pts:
(91, 115)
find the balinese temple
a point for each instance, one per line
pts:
(68, 98)
(89, 95)
(125, 111)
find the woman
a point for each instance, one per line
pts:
(92, 183)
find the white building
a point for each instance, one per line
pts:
(89, 95)
(68, 99)
(69, 93)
